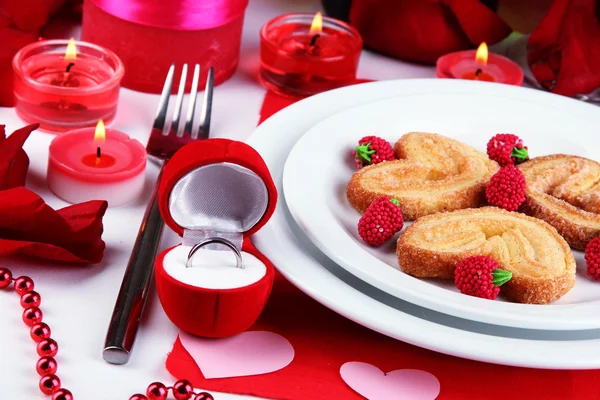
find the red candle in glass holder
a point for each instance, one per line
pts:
(301, 55)
(66, 84)
(479, 65)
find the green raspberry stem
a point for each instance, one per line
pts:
(519, 154)
(500, 276)
(395, 201)
(363, 152)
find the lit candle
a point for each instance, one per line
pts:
(66, 84)
(479, 65)
(302, 54)
(96, 164)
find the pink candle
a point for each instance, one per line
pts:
(94, 164)
(479, 65)
(66, 84)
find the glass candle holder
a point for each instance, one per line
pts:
(297, 61)
(61, 92)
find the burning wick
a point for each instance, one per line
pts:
(99, 138)
(70, 56)
(316, 28)
(313, 41)
(481, 57)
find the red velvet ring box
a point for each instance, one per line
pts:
(215, 188)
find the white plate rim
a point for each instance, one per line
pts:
(276, 242)
(308, 210)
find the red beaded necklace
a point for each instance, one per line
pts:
(47, 348)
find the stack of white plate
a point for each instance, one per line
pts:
(313, 241)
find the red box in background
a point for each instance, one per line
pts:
(150, 35)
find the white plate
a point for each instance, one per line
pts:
(315, 187)
(301, 263)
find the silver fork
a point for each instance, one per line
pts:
(162, 145)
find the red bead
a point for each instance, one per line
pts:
(49, 383)
(183, 390)
(5, 278)
(31, 299)
(62, 394)
(138, 397)
(204, 396)
(32, 316)
(47, 348)
(40, 331)
(23, 284)
(46, 365)
(157, 391)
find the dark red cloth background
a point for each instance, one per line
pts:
(323, 341)
(21, 23)
(423, 30)
(564, 51)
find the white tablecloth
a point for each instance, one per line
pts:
(78, 301)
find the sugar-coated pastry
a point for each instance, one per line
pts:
(564, 191)
(540, 260)
(433, 173)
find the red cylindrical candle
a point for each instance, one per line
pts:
(150, 35)
(299, 57)
(493, 68)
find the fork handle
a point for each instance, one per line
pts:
(134, 289)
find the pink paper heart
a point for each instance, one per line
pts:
(401, 384)
(249, 353)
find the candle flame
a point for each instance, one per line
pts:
(482, 54)
(317, 24)
(71, 53)
(100, 133)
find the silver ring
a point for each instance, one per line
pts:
(198, 246)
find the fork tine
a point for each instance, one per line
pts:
(192, 104)
(163, 103)
(204, 129)
(179, 102)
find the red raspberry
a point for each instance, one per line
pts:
(480, 276)
(373, 150)
(382, 219)
(592, 258)
(506, 148)
(507, 188)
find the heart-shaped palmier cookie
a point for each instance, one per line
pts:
(433, 173)
(564, 191)
(541, 262)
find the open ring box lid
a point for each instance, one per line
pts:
(215, 188)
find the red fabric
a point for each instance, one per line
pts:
(14, 161)
(213, 313)
(29, 226)
(564, 51)
(204, 152)
(30, 15)
(21, 23)
(424, 30)
(323, 341)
